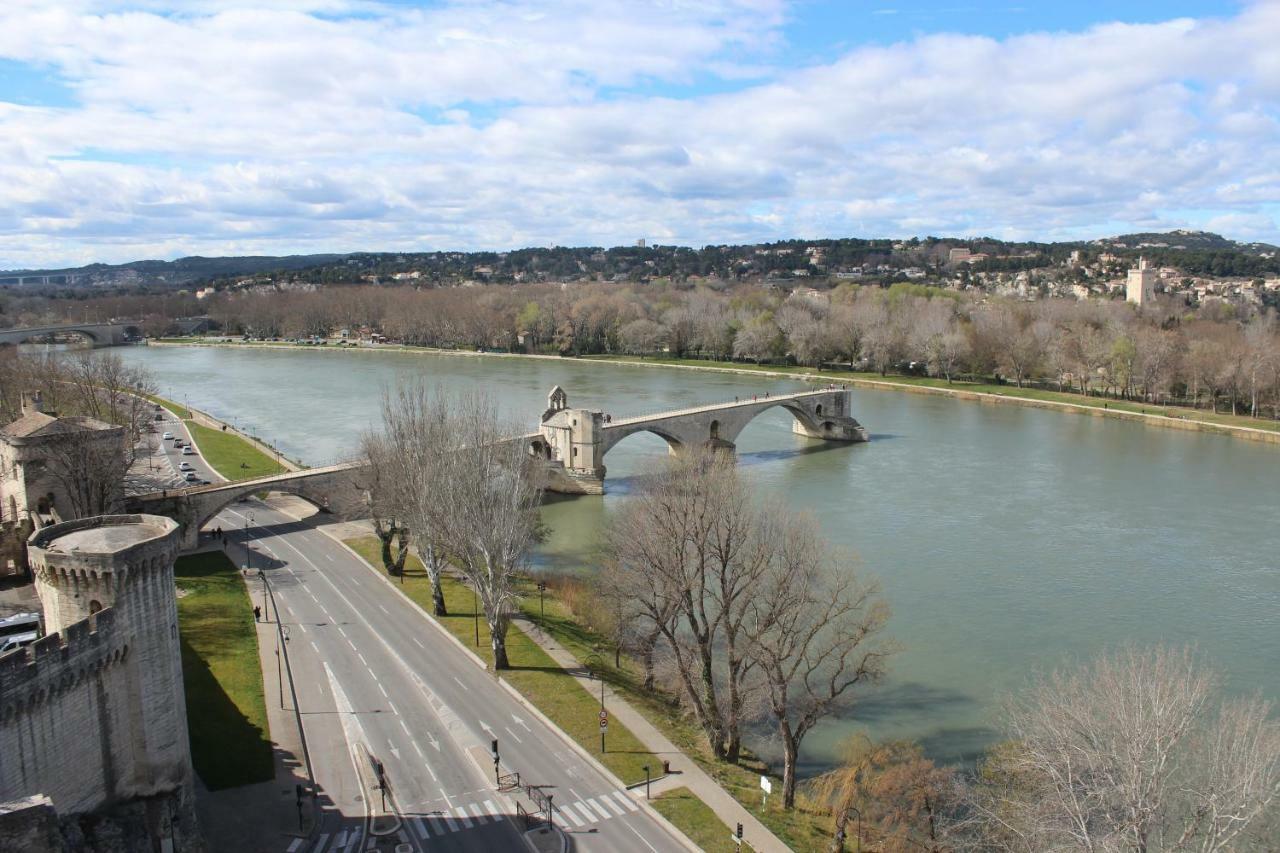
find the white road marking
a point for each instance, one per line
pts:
(461, 814)
(384, 610)
(626, 801)
(297, 842)
(419, 642)
(604, 815)
(569, 814)
(340, 840)
(321, 842)
(453, 826)
(460, 684)
(613, 807)
(314, 646)
(405, 726)
(342, 631)
(362, 660)
(641, 837)
(513, 734)
(491, 809)
(480, 816)
(302, 627)
(520, 722)
(446, 799)
(586, 812)
(383, 689)
(420, 827)
(393, 708)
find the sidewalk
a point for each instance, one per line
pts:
(260, 818)
(684, 772)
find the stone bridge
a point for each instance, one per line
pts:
(572, 443)
(98, 334)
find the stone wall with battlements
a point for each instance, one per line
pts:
(93, 715)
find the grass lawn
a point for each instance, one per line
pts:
(533, 671)
(681, 807)
(232, 456)
(222, 676)
(1012, 391)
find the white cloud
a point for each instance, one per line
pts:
(333, 126)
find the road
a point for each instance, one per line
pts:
(158, 461)
(374, 673)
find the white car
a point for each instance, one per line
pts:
(168, 436)
(186, 466)
(188, 450)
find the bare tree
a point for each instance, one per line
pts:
(381, 484)
(86, 465)
(814, 634)
(486, 498)
(1130, 753)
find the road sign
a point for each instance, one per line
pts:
(604, 718)
(766, 785)
(604, 727)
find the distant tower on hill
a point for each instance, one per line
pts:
(1140, 289)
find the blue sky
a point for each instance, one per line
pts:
(156, 129)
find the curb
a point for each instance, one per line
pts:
(519, 697)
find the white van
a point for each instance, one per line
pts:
(18, 630)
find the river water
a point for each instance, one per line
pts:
(1006, 539)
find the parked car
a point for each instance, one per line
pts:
(168, 436)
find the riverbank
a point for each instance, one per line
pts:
(1167, 417)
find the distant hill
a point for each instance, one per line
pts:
(1196, 252)
(1201, 241)
(161, 273)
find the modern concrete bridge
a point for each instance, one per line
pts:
(98, 334)
(572, 443)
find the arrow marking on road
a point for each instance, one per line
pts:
(520, 722)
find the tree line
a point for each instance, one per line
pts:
(1211, 357)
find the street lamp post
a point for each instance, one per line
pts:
(542, 605)
(475, 611)
(281, 634)
(595, 669)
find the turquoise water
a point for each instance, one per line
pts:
(1006, 539)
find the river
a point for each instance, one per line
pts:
(1006, 539)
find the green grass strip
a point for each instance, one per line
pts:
(232, 456)
(696, 819)
(222, 675)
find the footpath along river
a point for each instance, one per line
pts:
(1007, 539)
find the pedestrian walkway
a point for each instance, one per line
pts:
(685, 773)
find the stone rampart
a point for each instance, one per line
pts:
(64, 717)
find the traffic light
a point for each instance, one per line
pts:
(739, 832)
(494, 749)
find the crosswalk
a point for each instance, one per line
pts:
(573, 815)
(591, 810)
(452, 820)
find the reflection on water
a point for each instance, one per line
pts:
(1005, 538)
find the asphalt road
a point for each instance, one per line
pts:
(162, 465)
(376, 676)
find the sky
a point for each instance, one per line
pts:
(137, 129)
